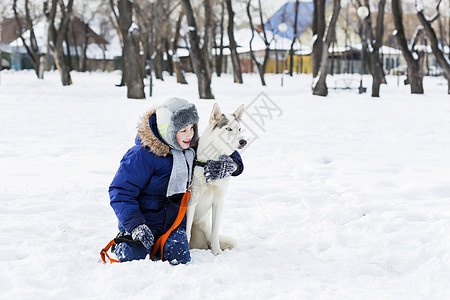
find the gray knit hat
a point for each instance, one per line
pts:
(172, 115)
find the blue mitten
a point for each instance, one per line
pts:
(143, 234)
(218, 169)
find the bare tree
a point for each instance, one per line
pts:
(372, 43)
(318, 29)
(105, 27)
(82, 34)
(291, 50)
(264, 38)
(115, 21)
(437, 50)
(144, 14)
(219, 58)
(131, 58)
(167, 44)
(56, 37)
(237, 72)
(160, 33)
(176, 60)
(260, 67)
(413, 57)
(32, 49)
(208, 37)
(196, 56)
(320, 62)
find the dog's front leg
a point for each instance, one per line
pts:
(190, 211)
(215, 224)
(189, 219)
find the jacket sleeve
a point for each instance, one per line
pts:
(133, 174)
(238, 160)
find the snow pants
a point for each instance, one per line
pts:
(176, 249)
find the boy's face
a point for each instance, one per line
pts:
(184, 136)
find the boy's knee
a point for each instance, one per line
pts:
(176, 249)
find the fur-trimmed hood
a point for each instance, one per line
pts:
(150, 138)
(148, 135)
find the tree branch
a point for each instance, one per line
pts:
(417, 35)
(329, 33)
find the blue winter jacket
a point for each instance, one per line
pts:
(138, 190)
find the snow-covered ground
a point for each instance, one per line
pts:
(343, 197)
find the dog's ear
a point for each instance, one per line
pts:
(216, 113)
(239, 112)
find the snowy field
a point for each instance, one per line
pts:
(343, 197)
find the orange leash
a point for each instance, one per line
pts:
(162, 240)
(104, 253)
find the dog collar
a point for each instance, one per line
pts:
(199, 163)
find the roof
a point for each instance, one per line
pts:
(286, 15)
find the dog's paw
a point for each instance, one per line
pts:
(215, 248)
(216, 251)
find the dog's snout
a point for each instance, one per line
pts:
(242, 143)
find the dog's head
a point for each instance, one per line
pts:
(226, 129)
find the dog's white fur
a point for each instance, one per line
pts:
(205, 206)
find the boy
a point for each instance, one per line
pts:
(153, 175)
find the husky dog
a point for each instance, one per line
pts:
(204, 211)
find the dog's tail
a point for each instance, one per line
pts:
(227, 242)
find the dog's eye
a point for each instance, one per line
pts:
(239, 129)
(228, 129)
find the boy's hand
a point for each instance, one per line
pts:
(143, 234)
(218, 169)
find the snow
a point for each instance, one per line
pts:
(389, 50)
(133, 26)
(343, 197)
(369, 47)
(314, 38)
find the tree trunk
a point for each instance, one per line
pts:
(115, 22)
(75, 42)
(376, 63)
(237, 72)
(219, 59)
(266, 40)
(377, 75)
(318, 28)
(437, 51)
(373, 52)
(133, 75)
(158, 61)
(415, 74)
(83, 59)
(208, 37)
(68, 54)
(160, 30)
(169, 56)
(176, 60)
(33, 49)
(56, 37)
(319, 84)
(252, 54)
(197, 59)
(291, 50)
